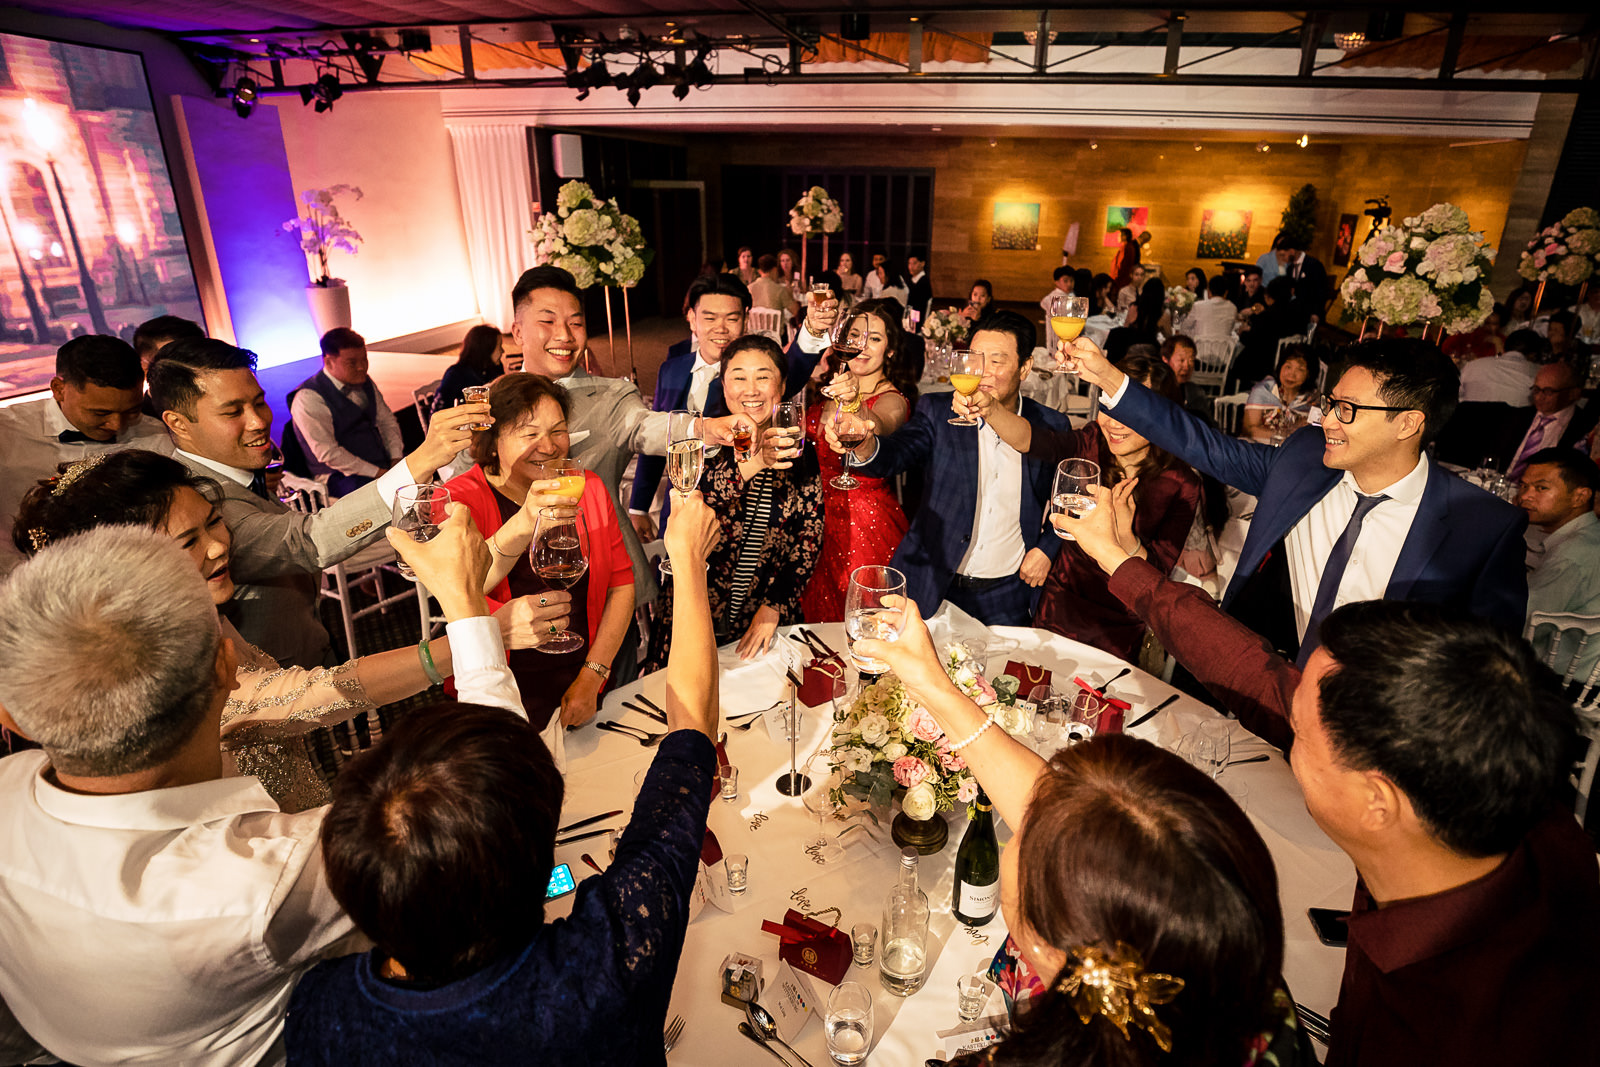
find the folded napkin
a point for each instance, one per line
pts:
(773, 664)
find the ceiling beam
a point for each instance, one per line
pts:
(1174, 43)
(1041, 42)
(1311, 30)
(1452, 46)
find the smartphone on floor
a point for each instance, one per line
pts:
(1330, 926)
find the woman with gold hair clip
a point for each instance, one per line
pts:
(273, 707)
(1139, 896)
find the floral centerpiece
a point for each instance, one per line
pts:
(591, 239)
(1179, 300)
(1432, 269)
(816, 212)
(945, 327)
(323, 229)
(1567, 251)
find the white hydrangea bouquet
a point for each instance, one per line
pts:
(1567, 251)
(816, 212)
(1179, 300)
(591, 239)
(885, 740)
(322, 229)
(945, 327)
(1433, 269)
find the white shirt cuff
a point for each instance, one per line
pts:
(811, 345)
(392, 481)
(1110, 400)
(479, 661)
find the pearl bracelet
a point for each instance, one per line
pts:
(988, 721)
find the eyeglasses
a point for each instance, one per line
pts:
(1345, 410)
(1540, 390)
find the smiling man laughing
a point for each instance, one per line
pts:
(1352, 510)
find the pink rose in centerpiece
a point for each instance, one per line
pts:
(967, 791)
(952, 761)
(986, 693)
(1395, 263)
(909, 770)
(923, 726)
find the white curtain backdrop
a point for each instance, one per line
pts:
(496, 190)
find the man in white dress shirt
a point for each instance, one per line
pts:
(1212, 319)
(768, 292)
(169, 910)
(876, 280)
(1064, 280)
(1506, 378)
(348, 431)
(93, 407)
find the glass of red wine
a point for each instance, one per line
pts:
(851, 430)
(559, 555)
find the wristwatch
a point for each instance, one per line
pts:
(599, 668)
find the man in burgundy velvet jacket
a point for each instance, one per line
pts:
(1431, 747)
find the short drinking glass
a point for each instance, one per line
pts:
(738, 866)
(863, 939)
(848, 1023)
(730, 781)
(475, 394)
(419, 510)
(1071, 495)
(867, 615)
(972, 993)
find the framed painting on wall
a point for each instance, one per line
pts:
(1118, 219)
(1223, 234)
(1344, 240)
(1016, 226)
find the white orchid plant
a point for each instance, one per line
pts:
(1432, 269)
(322, 229)
(1567, 251)
(591, 239)
(816, 212)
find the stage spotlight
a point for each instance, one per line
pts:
(325, 90)
(244, 97)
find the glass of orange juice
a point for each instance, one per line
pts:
(569, 474)
(1068, 315)
(966, 374)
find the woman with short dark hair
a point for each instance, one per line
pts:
(479, 364)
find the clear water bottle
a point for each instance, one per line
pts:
(904, 957)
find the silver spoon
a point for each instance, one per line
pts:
(744, 1028)
(762, 1022)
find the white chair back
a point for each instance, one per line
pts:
(423, 397)
(1211, 362)
(1229, 412)
(765, 321)
(1292, 339)
(1570, 644)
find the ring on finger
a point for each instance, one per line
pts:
(552, 627)
(542, 602)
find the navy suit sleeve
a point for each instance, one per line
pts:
(912, 444)
(1501, 592)
(1241, 464)
(801, 364)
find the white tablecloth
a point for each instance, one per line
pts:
(1312, 871)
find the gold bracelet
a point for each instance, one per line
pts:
(852, 407)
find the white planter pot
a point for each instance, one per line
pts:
(330, 306)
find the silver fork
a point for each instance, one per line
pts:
(674, 1030)
(644, 737)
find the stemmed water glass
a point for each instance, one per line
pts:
(419, 510)
(1068, 315)
(686, 456)
(851, 430)
(866, 614)
(559, 555)
(966, 374)
(1071, 495)
(818, 799)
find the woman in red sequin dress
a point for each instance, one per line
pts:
(863, 525)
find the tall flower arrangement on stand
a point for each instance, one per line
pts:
(945, 327)
(815, 213)
(1567, 252)
(1432, 270)
(322, 229)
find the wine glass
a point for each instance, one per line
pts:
(790, 415)
(966, 374)
(1067, 314)
(559, 556)
(686, 456)
(1071, 495)
(1213, 745)
(818, 799)
(419, 510)
(866, 615)
(851, 430)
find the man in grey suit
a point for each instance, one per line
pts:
(208, 396)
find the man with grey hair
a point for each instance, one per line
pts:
(150, 909)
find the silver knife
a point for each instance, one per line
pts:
(582, 836)
(646, 712)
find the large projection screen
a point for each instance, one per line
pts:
(92, 242)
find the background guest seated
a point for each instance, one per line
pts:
(342, 420)
(1559, 490)
(481, 362)
(1277, 406)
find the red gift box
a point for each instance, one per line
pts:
(822, 680)
(1028, 676)
(811, 946)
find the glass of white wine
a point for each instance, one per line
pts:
(866, 614)
(686, 456)
(419, 510)
(559, 555)
(1068, 315)
(1072, 495)
(966, 374)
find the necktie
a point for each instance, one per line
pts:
(72, 437)
(1333, 572)
(1530, 446)
(258, 484)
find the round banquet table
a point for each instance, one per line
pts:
(1312, 871)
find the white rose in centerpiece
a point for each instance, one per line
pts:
(894, 750)
(874, 729)
(856, 760)
(920, 802)
(1014, 719)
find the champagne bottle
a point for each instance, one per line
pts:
(977, 882)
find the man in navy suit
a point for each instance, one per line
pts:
(979, 539)
(1353, 510)
(688, 379)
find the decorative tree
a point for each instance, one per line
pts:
(1299, 223)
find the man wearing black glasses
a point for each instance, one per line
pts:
(1352, 510)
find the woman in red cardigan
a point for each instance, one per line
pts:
(505, 490)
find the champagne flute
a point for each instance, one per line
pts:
(1071, 495)
(686, 456)
(419, 510)
(851, 430)
(866, 615)
(1068, 315)
(559, 556)
(966, 374)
